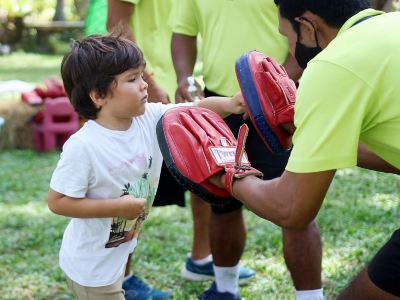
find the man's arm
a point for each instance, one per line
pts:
(368, 160)
(184, 53)
(126, 206)
(290, 201)
(118, 19)
(292, 68)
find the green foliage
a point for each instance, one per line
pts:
(359, 214)
(20, 8)
(43, 9)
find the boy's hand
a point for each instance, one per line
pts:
(237, 104)
(131, 207)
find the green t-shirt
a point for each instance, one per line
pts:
(153, 36)
(228, 29)
(96, 17)
(350, 93)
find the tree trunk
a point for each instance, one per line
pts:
(59, 14)
(13, 30)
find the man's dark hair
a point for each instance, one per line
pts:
(92, 65)
(334, 12)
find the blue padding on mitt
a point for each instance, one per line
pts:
(250, 94)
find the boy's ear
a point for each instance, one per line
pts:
(98, 100)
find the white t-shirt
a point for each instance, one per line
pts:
(100, 163)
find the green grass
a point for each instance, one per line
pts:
(359, 214)
(29, 67)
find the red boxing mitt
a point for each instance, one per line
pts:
(270, 96)
(196, 144)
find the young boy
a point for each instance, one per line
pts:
(109, 170)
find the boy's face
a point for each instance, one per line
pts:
(128, 97)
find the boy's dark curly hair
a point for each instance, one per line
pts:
(92, 65)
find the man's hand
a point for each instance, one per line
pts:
(157, 94)
(131, 207)
(182, 94)
(292, 68)
(289, 127)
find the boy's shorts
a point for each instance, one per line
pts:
(272, 165)
(109, 292)
(384, 269)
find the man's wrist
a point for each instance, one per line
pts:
(183, 78)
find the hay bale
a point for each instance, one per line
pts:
(17, 131)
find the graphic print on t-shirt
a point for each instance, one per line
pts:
(123, 230)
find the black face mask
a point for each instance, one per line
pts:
(304, 54)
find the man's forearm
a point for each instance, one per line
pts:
(251, 191)
(184, 53)
(118, 17)
(290, 201)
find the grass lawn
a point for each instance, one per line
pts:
(29, 67)
(359, 214)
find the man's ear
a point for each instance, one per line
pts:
(307, 31)
(98, 100)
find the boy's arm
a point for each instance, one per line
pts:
(126, 206)
(223, 106)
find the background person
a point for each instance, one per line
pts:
(229, 29)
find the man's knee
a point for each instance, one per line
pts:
(362, 288)
(381, 280)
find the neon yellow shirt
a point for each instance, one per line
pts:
(229, 29)
(153, 36)
(350, 93)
